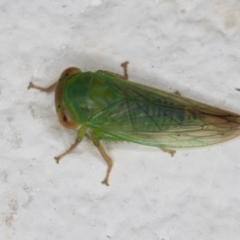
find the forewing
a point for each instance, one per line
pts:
(153, 117)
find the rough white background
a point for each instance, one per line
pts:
(188, 45)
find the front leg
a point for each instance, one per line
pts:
(47, 89)
(79, 138)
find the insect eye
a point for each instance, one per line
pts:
(68, 72)
(66, 120)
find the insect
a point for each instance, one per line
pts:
(106, 106)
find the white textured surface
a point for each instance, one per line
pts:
(190, 46)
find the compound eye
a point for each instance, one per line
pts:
(69, 71)
(66, 120)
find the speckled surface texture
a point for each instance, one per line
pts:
(189, 46)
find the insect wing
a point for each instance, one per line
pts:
(153, 117)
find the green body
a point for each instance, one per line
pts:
(120, 110)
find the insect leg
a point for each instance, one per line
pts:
(125, 70)
(177, 93)
(58, 158)
(108, 161)
(79, 138)
(47, 89)
(170, 151)
(105, 156)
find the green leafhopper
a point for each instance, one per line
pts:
(105, 106)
